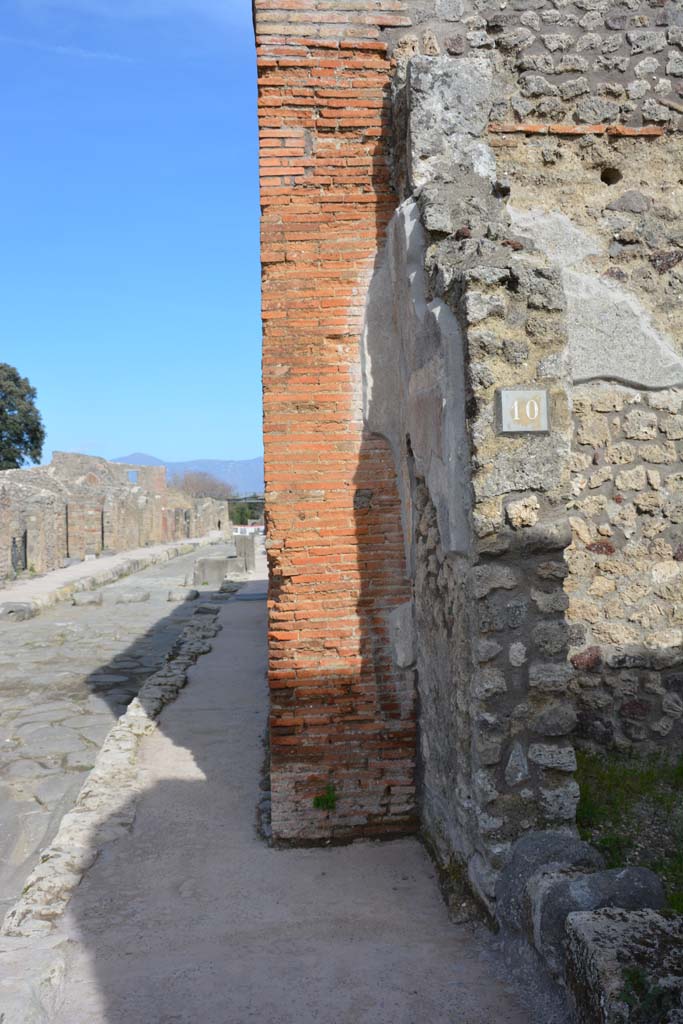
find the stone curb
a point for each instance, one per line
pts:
(105, 807)
(22, 610)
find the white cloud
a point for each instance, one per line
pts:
(64, 51)
(226, 12)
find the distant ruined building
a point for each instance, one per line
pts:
(473, 375)
(82, 506)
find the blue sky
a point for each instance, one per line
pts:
(129, 270)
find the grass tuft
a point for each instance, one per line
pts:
(631, 809)
(327, 800)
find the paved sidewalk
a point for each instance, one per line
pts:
(42, 592)
(192, 918)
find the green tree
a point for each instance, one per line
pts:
(22, 433)
(239, 515)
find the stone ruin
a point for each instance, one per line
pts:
(81, 506)
(472, 248)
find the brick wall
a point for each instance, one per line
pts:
(342, 712)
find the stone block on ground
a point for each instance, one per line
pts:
(87, 598)
(182, 594)
(210, 572)
(529, 855)
(132, 596)
(207, 609)
(625, 966)
(17, 611)
(553, 895)
(229, 588)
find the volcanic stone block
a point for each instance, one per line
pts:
(132, 596)
(17, 611)
(87, 597)
(529, 854)
(553, 895)
(210, 572)
(607, 948)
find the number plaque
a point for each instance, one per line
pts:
(523, 412)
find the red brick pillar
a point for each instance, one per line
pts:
(342, 721)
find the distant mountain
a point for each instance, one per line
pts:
(139, 459)
(245, 475)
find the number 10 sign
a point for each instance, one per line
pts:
(522, 412)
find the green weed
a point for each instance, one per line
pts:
(327, 800)
(648, 1003)
(632, 809)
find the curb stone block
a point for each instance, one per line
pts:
(553, 895)
(620, 957)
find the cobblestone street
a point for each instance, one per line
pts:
(65, 677)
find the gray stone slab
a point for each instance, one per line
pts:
(88, 598)
(17, 611)
(182, 594)
(529, 854)
(132, 596)
(604, 945)
(450, 102)
(553, 896)
(210, 572)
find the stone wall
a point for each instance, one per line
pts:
(625, 581)
(81, 506)
(608, 214)
(452, 317)
(532, 240)
(589, 62)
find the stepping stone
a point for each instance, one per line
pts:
(182, 594)
(17, 611)
(88, 598)
(132, 596)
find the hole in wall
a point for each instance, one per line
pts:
(512, 283)
(610, 175)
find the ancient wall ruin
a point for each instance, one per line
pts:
(459, 200)
(82, 506)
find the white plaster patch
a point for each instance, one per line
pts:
(556, 235)
(611, 334)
